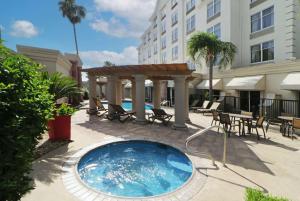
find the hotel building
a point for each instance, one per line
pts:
(266, 33)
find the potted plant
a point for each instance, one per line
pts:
(60, 126)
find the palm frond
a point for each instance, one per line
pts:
(228, 51)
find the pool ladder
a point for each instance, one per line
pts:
(208, 154)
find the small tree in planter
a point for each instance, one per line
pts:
(60, 126)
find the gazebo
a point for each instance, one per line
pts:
(137, 74)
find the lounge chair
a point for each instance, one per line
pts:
(214, 106)
(161, 115)
(100, 107)
(120, 114)
(204, 106)
(165, 103)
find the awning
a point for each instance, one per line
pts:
(217, 84)
(291, 82)
(247, 83)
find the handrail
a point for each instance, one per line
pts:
(201, 133)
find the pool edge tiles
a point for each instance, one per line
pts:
(82, 191)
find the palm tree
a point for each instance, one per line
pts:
(108, 64)
(74, 13)
(208, 47)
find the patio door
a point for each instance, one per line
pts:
(249, 100)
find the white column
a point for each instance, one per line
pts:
(156, 98)
(100, 91)
(180, 98)
(111, 91)
(119, 92)
(92, 90)
(133, 94)
(187, 100)
(140, 98)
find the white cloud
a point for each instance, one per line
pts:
(97, 58)
(130, 17)
(23, 29)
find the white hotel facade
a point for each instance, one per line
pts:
(266, 33)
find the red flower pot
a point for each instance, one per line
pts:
(60, 128)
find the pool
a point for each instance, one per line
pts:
(127, 105)
(135, 169)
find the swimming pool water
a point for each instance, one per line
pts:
(135, 169)
(128, 105)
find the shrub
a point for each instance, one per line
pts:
(256, 195)
(65, 110)
(25, 107)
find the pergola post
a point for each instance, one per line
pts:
(111, 91)
(180, 102)
(140, 98)
(156, 98)
(187, 100)
(133, 92)
(92, 90)
(119, 92)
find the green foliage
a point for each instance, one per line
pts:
(25, 107)
(65, 110)
(108, 64)
(72, 11)
(256, 195)
(62, 86)
(85, 94)
(207, 46)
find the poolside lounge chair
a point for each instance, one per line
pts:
(194, 103)
(165, 103)
(100, 107)
(161, 115)
(120, 114)
(214, 106)
(204, 106)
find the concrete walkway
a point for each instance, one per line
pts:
(272, 165)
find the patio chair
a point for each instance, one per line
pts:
(296, 125)
(100, 107)
(204, 106)
(216, 117)
(259, 124)
(213, 107)
(228, 124)
(161, 115)
(120, 114)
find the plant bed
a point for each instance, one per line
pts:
(256, 195)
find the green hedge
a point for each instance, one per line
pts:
(256, 195)
(25, 107)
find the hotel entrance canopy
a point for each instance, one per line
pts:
(291, 82)
(251, 83)
(217, 84)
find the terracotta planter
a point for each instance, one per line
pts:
(60, 128)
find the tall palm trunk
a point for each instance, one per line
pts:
(75, 37)
(210, 79)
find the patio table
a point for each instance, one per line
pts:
(244, 118)
(286, 123)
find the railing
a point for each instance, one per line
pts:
(208, 154)
(270, 108)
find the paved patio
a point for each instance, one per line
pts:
(272, 165)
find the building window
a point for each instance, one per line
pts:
(164, 57)
(154, 35)
(163, 14)
(175, 35)
(155, 48)
(175, 53)
(163, 43)
(163, 27)
(215, 30)
(262, 20)
(173, 3)
(174, 18)
(262, 52)
(213, 8)
(149, 52)
(190, 5)
(190, 24)
(149, 36)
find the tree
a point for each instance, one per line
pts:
(208, 47)
(108, 64)
(74, 13)
(61, 86)
(25, 108)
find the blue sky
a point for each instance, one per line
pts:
(110, 30)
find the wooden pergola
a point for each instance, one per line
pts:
(137, 74)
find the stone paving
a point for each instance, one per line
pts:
(272, 165)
